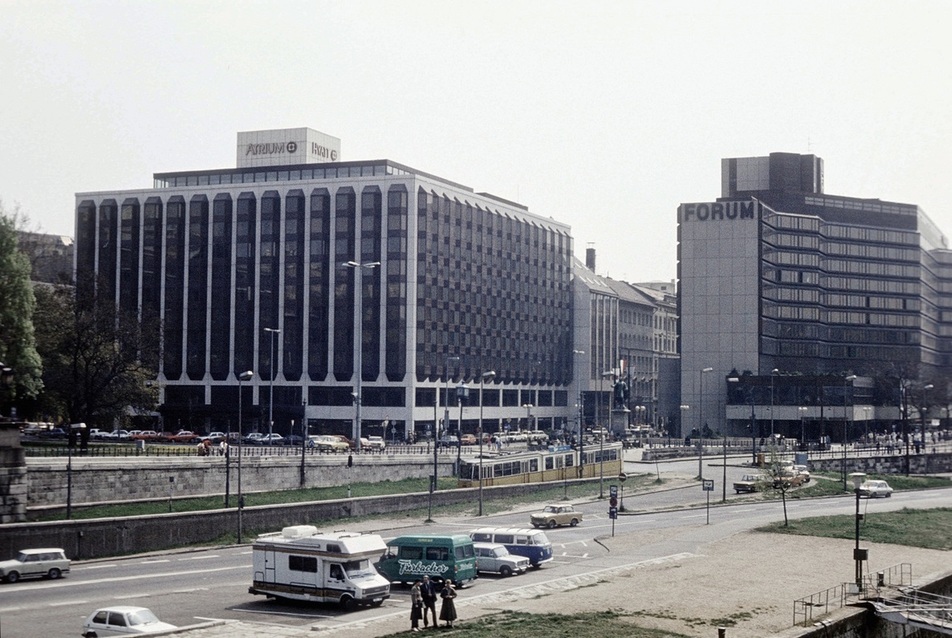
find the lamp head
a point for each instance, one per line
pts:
(857, 478)
(246, 375)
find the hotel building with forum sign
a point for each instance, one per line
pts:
(805, 314)
(257, 268)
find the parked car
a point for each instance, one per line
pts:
(329, 443)
(803, 471)
(123, 621)
(555, 515)
(496, 559)
(48, 562)
(184, 436)
(468, 439)
(252, 439)
(375, 442)
(293, 439)
(270, 439)
(215, 437)
(146, 435)
(873, 489)
(788, 477)
(118, 435)
(448, 440)
(748, 483)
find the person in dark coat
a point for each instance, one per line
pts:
(448, 609)
(428, 594)
(416, 606)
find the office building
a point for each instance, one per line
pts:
(821, 306)
(256, 268)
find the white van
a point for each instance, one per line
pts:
(531, 543)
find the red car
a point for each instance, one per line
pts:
(184, 436)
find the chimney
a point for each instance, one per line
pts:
(590, 258)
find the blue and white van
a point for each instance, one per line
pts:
(531, 543)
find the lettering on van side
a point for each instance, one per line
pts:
(424, 569)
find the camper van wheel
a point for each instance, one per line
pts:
(348, 603)
(376, 603)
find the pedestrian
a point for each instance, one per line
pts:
(428, 594)
(448, 609)
(223, 448)
(416, 606)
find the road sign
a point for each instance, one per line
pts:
(612, 502)
(613, 490)
(622, 477)
(708, 485)
(613, 513)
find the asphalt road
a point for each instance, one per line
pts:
(184, 588)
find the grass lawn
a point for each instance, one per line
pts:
(933, 528)
(508, 624)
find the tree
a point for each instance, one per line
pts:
(17, 342)
(94, 354)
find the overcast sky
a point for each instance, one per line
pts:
(602, 115)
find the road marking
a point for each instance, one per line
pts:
(199, 557)
(153, 562)
(76, 569)
(65, 603)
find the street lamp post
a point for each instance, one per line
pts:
(70, 444)
(462, 392)
(6, 379)
(859, 555)
(922, 416)
(244, 376)
(483, 378)
(802, 410)
(773, 374)
(700, 426)
(436, 431)
(359, 338)
(601, 438)
(846, 381)
(581, 444)
(866, 410)
(271, 374)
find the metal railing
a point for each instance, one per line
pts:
(824, 602)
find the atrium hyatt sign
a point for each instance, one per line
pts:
(719, 211)
(283, 147)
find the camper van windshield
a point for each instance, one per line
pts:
(355, 568)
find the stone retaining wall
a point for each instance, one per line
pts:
(97, 480)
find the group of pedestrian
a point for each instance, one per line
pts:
(423, 603)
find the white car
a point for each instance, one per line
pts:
(872, 489)
(495, 558)
(48, 562)
(123, 621)
(374, 443)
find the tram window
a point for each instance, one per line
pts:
(549, 462)
(569, 460)
(533, 465)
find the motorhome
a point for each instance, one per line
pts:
(301, 563)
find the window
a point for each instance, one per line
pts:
(302, 564)
(411, 552)
(437, 553)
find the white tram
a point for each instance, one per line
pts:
(554, 463)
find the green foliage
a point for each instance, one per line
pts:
(933, 527)
(17, 342)
(94, 357)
